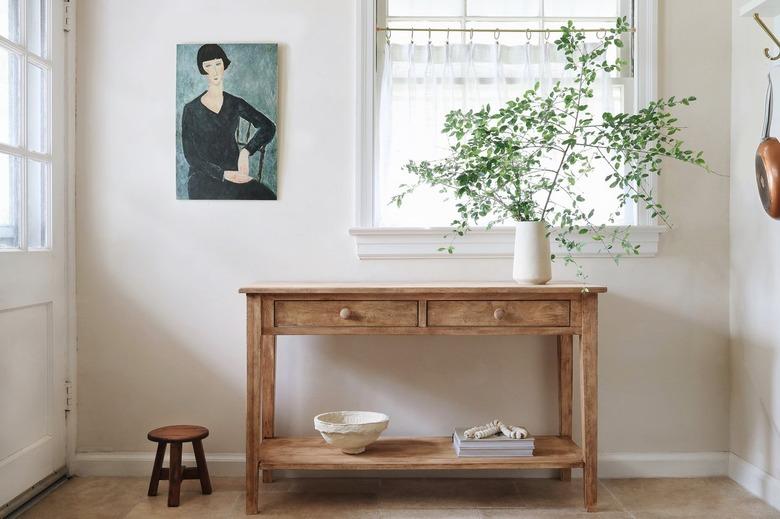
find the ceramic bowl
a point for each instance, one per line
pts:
(351, 431)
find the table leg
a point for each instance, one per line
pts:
(254, 327)
(268, 391)
(565, 373)
(589, 382)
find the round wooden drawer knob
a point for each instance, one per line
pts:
(499, 314)
(345, 313)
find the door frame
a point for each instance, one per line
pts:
(70, 8)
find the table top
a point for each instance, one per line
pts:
(460, 287)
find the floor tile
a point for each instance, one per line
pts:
(449, 513)
(407, 498)
(312, 505)
(91, 498)
(508, 513)
(538, 493)
(688, 497)
(408, 493)
(739, 513)
(192, 505)
(334, 485)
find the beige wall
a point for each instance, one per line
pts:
(160, 322)
(755, 265)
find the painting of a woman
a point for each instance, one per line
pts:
(219, 167)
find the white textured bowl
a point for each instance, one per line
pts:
(351, 431)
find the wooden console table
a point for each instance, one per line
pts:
(418, 309)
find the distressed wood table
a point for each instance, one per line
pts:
(419, 309)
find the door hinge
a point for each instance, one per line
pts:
(66, 13)
(68, 395)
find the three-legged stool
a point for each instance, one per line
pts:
(176, 435)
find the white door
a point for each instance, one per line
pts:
(33, 243)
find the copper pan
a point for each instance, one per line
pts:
(768, 164)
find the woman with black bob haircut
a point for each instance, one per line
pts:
(219, 169)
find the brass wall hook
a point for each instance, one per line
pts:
(769, 33)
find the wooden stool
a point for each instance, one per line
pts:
(176, 435)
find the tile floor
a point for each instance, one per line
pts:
(99, 498)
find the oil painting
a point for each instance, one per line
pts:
(226, 117)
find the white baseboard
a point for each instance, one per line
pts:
(755, 480)
(611, 465)
(139, 464)
(663, 464)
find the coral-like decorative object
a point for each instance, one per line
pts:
(351, 431)
(483, 431)
(513, 431)
(495, 427)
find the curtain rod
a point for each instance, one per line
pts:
(528, 31)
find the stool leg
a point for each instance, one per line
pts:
(158, 463)
(174, 486)
(203, 470)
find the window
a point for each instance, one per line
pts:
(25, 124)
(416, 77)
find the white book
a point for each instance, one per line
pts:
(493, 453)
(498, 441)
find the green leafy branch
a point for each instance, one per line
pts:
(526, 160)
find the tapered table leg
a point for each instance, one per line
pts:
(565, 373)
(254, 327)
(268, 391)
(589, 382)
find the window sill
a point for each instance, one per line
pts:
(498, 242)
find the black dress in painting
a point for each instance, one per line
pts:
(210, 147)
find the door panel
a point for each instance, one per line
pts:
(27, 443)
(33, 278)
(25, 367)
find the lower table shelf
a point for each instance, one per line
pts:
(312, 453)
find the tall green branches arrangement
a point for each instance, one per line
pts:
(527, 160)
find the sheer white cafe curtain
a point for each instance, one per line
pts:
(422, 82)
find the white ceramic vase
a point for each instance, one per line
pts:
(532, 263)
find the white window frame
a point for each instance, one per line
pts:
(22, 150)
(424, 242)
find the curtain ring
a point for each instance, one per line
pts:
(547, 35)
(429, 35)
(388, 34)
(471, 36)
(412, 38)
(448, 36)
(497, 34)
(528, 36)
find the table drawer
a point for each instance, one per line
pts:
(345, 313)
(498, 313)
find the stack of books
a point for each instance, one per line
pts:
(498, 446)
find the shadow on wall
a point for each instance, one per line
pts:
(428, 385)
(149, 375)
(758, 382)
(755, 357)
(158, 371)
(676, 378)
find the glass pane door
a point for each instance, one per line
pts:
(25, 125)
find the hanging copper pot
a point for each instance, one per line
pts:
(768, 164)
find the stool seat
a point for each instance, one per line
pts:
(175, 436)
(178, 433)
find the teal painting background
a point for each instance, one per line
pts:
(252, 75)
